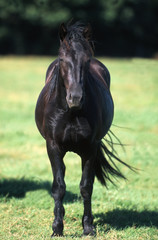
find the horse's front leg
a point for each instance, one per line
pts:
(86, 188)
(58, 187)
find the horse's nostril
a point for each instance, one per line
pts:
(70, 97)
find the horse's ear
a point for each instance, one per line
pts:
(87, 33)
(62, 31)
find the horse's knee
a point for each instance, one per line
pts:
(86, 191)
(58, 191)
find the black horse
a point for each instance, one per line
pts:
(73, 113)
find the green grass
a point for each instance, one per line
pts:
(129, 211)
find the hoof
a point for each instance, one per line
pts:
(89, 230)
(57, 229)
(56, 235)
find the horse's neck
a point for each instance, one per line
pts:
(60, 92)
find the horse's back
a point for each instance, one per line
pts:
(101, 106)
(50, 70)
(44, 96)
(99, 72)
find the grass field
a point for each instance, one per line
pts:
(129, 211)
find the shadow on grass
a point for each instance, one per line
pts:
(120, 219)
(17, 188)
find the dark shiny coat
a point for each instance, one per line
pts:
(74, 112)
(69, 127)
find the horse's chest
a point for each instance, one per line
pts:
(74, 131)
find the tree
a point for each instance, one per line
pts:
(121, 27)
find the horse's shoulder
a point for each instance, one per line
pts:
(50, 70)
(99, 71)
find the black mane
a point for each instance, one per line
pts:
(77, 32)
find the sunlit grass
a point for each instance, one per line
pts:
(26, 207)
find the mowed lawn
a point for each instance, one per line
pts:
(128, 211)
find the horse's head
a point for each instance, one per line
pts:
(74, 56)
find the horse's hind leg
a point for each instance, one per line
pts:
(58, 187)
(86, 188)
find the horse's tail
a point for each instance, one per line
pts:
(105, 166)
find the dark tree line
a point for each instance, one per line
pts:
(120, 27)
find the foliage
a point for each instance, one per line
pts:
(26, 207)
(121, 27)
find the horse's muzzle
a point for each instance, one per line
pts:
(74, 101)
